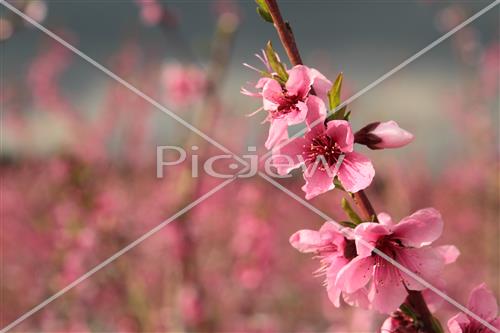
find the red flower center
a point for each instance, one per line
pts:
(287, 105)
(388, 245)
(322, 147)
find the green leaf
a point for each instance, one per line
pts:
(334, 93)
(350, 212)
(338, 184)
(437, 325)
(263, 11)
(347, 115)
(275, 64)
(348, 224)
(408, 310)
(339, 115)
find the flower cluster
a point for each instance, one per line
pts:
(302, 95)
(363, 277)
(372, 263)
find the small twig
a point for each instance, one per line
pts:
(417, 302)
(365, 206)
(285, 33)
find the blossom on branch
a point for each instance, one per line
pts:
(332, 248)
(286, 103)
(326, 151)
(481, 302)
(407, 243)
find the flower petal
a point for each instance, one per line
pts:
(278, 131)
(449, 253)
(366, 235)
(320, 84)
(387, 292)
(331, 275)
(356, 172)
(262, 82)
(341, 132)
(385, 219)
(317, 181)
(272, 95)
(316, 114)
(419, 229)
(297, 116)
(355, 275)
(457, 322)
(483, 303)
(299, 81)
(288, 156)
(306, 240)
(390, 325)
(426, 263)
(330, 231)
(433, 300)
(359, 298)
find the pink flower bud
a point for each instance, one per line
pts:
(383, 135)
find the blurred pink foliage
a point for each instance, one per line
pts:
(151, 11)
(183, 84)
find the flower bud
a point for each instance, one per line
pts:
(399, 322)
(383, 135)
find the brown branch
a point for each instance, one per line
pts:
(364, 205)
(417, 302)
(285, 33)
(360, 198)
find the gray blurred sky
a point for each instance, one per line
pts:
(364, 39)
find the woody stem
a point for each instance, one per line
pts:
(364, 205)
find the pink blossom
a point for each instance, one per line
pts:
(407, 243)
(320, 151)
(286, 104)
(481, 302)
(184, 84)
(383, 135)
(330, 246)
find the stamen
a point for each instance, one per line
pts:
(323, 146)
